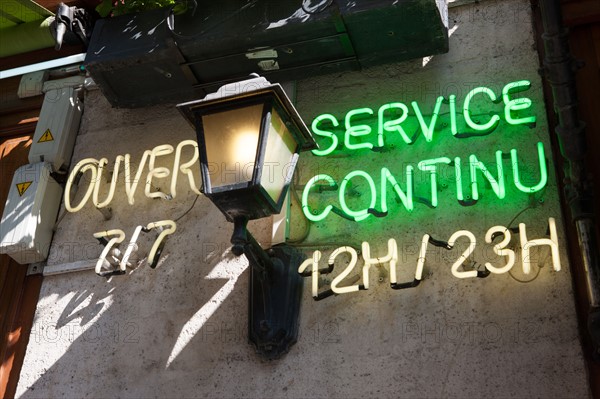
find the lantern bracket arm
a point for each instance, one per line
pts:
(244, 243)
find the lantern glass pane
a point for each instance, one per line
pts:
(279, 153)
(231, 139)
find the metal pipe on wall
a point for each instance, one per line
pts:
(559, 68)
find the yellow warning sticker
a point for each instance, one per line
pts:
(47, 136)
(22, 187)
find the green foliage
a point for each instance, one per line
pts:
(120, 7)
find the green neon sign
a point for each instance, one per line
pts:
(392, 126)
(496, 183)
(324, 133)
(430, 166)
(305, 208)
(543, 171)
(516, 104)
(492, 123)
(452, 105)
(358, 129)
(476, 170)
(405, 196)
(393, 123)
(458, 178)
(428, 130)
(363, 213)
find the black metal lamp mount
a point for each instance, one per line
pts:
(249, 139)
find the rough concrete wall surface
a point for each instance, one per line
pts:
(180, 329)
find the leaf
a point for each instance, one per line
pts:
(180, 8)
(104, 8)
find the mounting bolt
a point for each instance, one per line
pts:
(34, 268)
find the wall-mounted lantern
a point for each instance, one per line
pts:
(249, 137)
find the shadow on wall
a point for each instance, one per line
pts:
(154, 332)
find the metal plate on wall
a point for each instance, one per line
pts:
(141, 59)
(135, 62)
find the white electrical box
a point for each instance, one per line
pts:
(32, 84)
(30, 213)
(57, 128)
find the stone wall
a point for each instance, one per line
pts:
(180, 329)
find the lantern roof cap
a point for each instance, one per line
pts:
(249, 88)
(238, 88)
